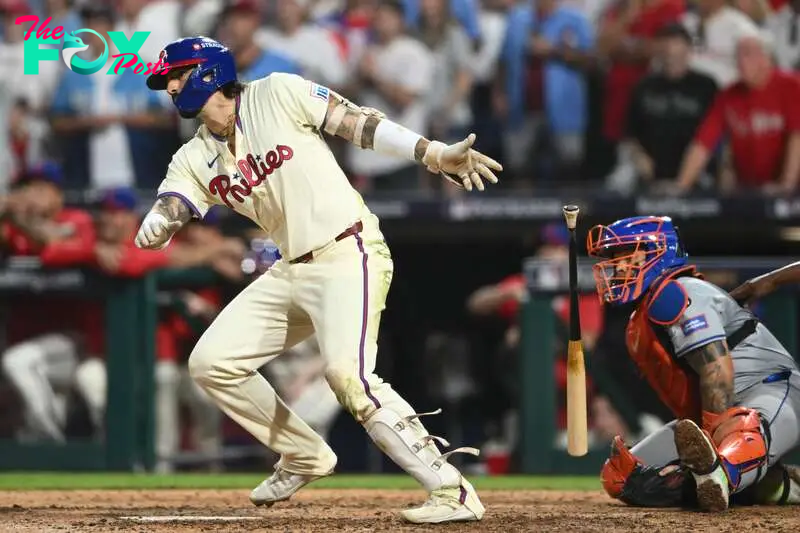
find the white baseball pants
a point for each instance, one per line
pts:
(339, 295)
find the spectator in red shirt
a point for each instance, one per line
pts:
(44, 331)
(38, 224)
(116, 254)
(761, 116)
(626, 36)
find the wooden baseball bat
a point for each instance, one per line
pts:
(577, 425)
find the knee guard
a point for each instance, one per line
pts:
(741, 438)
(627, 479)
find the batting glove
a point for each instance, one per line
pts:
(460, 164)
(156, 231)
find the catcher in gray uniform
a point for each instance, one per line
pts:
(733, 388)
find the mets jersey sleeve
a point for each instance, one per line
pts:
(699, 325)
(182, 183)
(306, 101)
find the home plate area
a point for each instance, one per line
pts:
(324, 510)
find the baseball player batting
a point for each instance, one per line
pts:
(734, 390)
(261, 152)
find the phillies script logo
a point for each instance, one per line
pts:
(128, 48)
(254, 170)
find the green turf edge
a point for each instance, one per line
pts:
(98, 481)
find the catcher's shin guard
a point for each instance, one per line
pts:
(730, 445)
(741, 439)
(627, 479)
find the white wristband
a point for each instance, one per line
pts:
(393, 139)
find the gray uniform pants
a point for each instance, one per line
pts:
(779, 405)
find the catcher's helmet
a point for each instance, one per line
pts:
(214, 69)
(635, 251)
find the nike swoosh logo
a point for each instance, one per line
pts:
(211, 163)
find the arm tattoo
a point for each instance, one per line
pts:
(714, 367)
(173, 208)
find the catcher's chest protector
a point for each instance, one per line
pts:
(676, 387)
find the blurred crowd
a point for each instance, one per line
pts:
(674, 95)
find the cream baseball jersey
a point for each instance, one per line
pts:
(283, 176)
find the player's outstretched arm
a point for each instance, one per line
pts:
(714, 369)
(765, 284)
(370, 129)
(164, 219)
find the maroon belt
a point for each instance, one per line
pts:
(352, 230)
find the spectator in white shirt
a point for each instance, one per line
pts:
(198, 17)
(759, 11)
(160, 18)
(395, 76)
(312, 47)
(448, 98)
(715, 30)
(485, 69)
(784, 26)
(35, 89)
(112, 130)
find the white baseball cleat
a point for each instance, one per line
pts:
(280, 487)
(699, 455)
(456, 504)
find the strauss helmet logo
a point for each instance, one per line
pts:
(74, 44)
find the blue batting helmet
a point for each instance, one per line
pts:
(635, 251)
(214, 68)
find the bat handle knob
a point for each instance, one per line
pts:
(571, 215)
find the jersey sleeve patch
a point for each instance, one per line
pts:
(668, 304)
(694, 324)
(318, 91)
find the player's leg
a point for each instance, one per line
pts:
(344, 291)
(739, 446)
(256, 326)
(167, 414)
(206, 419)
(648, 474)
(91, 382)
(33, 367)
(779, 405)
(317, 405)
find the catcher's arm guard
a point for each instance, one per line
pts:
(627, 479)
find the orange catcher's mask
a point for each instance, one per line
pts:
(634, 252)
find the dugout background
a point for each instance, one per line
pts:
(431, 348)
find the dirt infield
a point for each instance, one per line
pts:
(354, 511)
